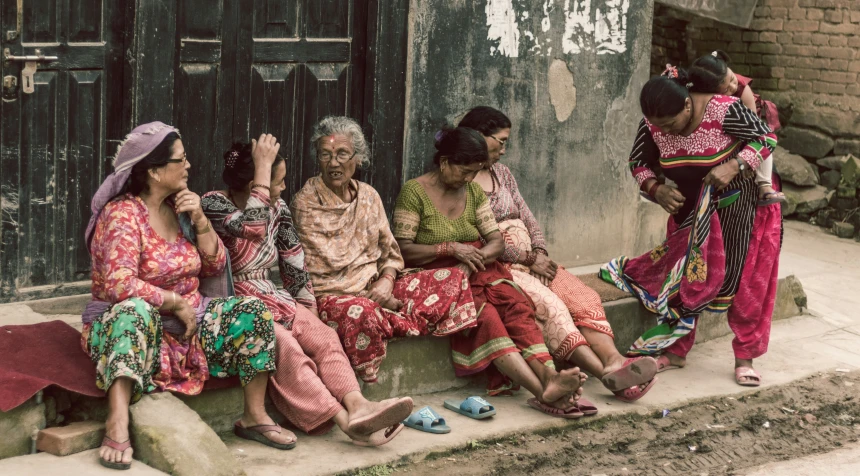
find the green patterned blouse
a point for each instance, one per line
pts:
(417, 219)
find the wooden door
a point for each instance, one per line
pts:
(54, 142)
(298, 61)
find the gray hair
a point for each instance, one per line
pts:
(346, 126)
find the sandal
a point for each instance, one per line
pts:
(634, 393)
(753, 377)
(571, 413)
(635, 371)
(663, 364)
(427, 420)
(121, 447)
(396, 409)
(586, 407)
(472, 407)
(776, 197)
(381, 437)
(256, 433)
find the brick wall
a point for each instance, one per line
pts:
(802, 54)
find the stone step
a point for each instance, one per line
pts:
(414, 366)
(84, 463)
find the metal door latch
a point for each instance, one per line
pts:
(31, 64)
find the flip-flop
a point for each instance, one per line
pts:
(571, 413)
(472, 407)
(586, 407)
(425, 419)
(778, 197)
(634, 393)
(381, 437)
(396, 409)
(635, 371)
(121, 447)
(663, 364)
(748, 373)
(256, 433)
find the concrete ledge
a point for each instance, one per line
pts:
(18, 426)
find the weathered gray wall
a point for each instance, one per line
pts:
(733, 12)
(574, 111)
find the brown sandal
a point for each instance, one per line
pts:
(121, 447)
(256, 433)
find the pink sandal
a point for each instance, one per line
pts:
(121, 447)
(571, 413)
(634, 393)
(663, 364)
(634, 372)
(753, 377)
(381, 437)
(257, 433)
(395, 410)
(586, 407)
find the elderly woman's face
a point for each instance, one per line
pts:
(336, 156)
(456, 176)
(497, 145)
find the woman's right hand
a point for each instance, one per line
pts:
(465, 269)
(669, 198)
(544, 269)
(264, 150)
(469, 256)
(185, 313)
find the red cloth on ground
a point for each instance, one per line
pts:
(37, 355)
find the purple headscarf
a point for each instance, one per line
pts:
(137, 145)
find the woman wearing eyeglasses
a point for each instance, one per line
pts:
(355, 263)
(313, 386)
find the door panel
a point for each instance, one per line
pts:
(303, 55)
(53, 150)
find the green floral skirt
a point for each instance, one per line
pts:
(236, 337)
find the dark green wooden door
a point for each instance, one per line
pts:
(274, 66)
(54, 142)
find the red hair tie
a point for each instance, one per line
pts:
(670, 72)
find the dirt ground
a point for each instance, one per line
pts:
(718, 436)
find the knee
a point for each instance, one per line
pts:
(134, 306)
(257, 308)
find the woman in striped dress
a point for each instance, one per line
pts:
(314, 385)
(721, 251)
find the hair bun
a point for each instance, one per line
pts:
(441, 134)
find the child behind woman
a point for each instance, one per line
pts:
(711, 74)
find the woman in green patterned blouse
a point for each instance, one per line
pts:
(443, 220)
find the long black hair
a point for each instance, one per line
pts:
(665, 95)
(461, 146)
(239, 166)
(157, 158)
(708, 72)
(485, 120)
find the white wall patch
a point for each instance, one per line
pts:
(602, 29)
(503, 28)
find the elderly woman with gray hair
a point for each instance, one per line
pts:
(355, 263)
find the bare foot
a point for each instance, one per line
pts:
(116, 428)
(764, 190)
(384, 414)
(285, 437)
(615, 363)
(667, 359)
(564, 383)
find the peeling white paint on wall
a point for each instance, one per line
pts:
(503, 28)
(597, 26)
(602, 29)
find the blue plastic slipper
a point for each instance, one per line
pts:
(472, 407)
(425, 419)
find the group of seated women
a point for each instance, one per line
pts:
(182, 290)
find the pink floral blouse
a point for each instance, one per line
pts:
(131, 260)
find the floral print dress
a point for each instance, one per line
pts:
(132, 264)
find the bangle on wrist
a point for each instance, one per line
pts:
(652, 190)
(259, 185)
(388, 277)
(444, 249)
(541, 251)
(530, 258)
(206, 229)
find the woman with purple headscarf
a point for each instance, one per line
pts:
(148, 328)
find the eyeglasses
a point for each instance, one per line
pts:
(342, 157)
(502, 142)
(182, 161)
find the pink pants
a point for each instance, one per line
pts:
(751, 311)
(313, 374)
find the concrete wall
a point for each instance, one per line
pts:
(568, 74)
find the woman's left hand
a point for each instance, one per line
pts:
(380, 291)
(721, 175)
(187, 201)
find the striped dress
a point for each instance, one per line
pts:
(700, 264)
